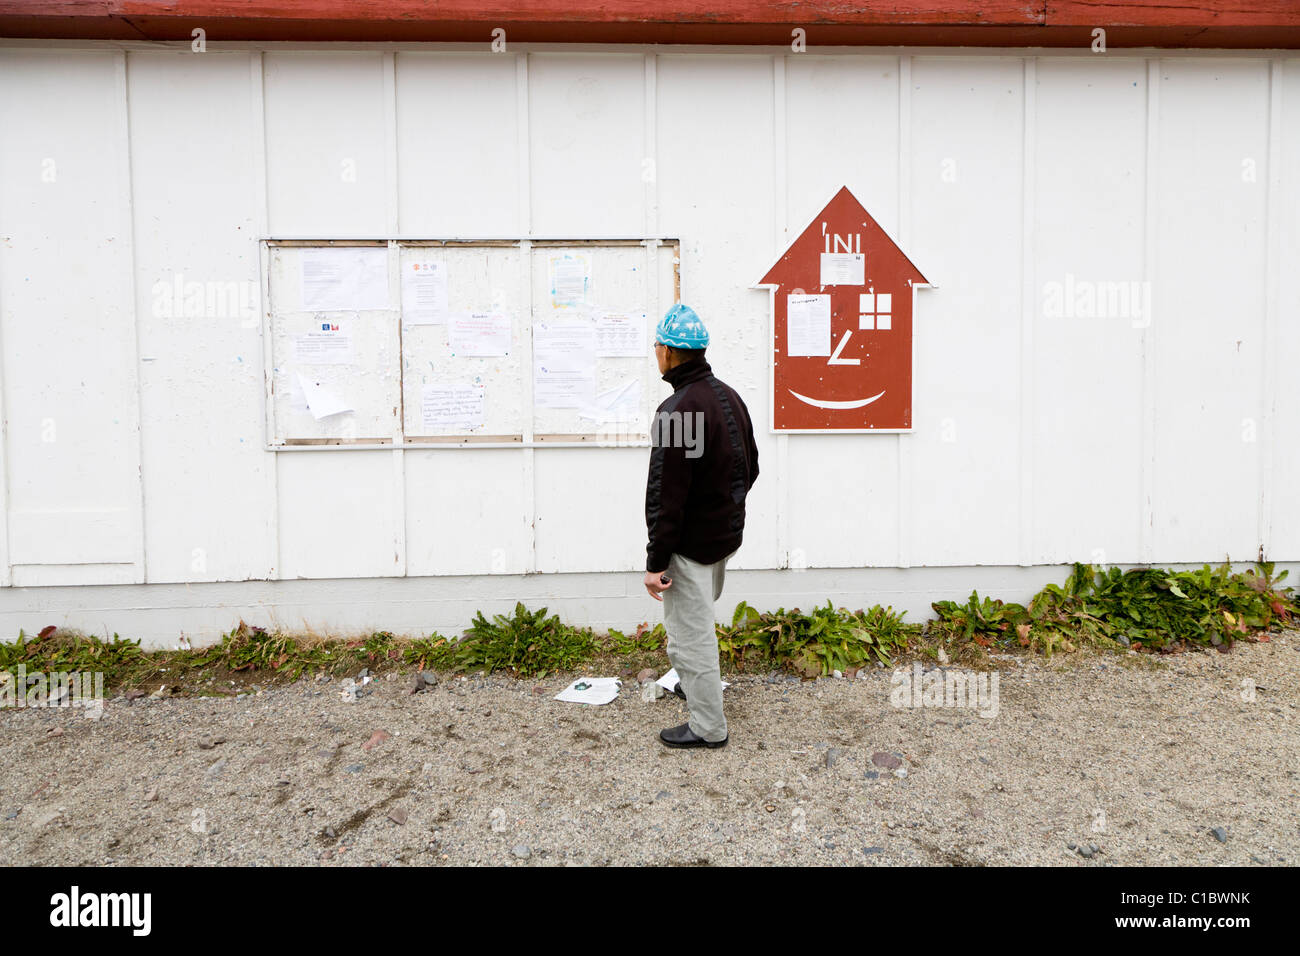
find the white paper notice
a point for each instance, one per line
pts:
(619, 404)
(591, 690)
(330, 345)
(621, 334)
(424, 293)
(478, 333)
(808, 325)
(297, 400)
(569, 275)
(320, 402)
(843, 268)
(351, 279)
(443, 405)
(564, 365)
(670, 680)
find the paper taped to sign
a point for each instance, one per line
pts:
(478, 334)
(621, 334)
(320, 401)
(451, 405)
(570, 279)
(328, 346)
(808, 325)
(424, 292)
(843, 268)
(343, 278)
(564, 365)
(619, 404)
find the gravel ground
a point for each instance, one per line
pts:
(1140, 758)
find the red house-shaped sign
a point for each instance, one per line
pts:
(841, 344)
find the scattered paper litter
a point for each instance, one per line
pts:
(670, 680)
(591, 690)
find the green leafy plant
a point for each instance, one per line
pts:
(815, 644)
(530, 644)
(644, 640)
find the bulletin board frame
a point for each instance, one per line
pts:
(527, 312)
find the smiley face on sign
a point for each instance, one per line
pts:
(841, 344)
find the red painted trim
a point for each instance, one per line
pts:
(1056, 23)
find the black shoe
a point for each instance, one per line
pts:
(678, 691)
(682, 736)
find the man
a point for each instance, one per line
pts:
(703, 461)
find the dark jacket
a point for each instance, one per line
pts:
(703, 461)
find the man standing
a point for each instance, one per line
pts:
(703, 461)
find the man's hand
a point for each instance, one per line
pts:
(656, 586)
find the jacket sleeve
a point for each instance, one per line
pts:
(751, 449)
(667, 484)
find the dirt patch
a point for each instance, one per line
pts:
(1141, 758)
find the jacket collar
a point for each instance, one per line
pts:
(686, 373)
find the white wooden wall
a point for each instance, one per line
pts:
(133, 444)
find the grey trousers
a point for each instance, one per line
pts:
(693, 641)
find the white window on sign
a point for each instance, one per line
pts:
(875, 311)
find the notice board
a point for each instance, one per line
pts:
(459, 342)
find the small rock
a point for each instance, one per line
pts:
(216, 768)
(662, 795)
(522, 851)
(651, 691)
(430, 678)
(134, 694)
(151, 796)
(497, 820)
(886, 760)
(207, 743)
(1085, 852)
(378, 737)
(12, 814)
(900, 772)
(1220, 834)
(417, 684)
(871, 775)
(838, 675)
(283, 780)
(160, 693)
(645, 674)
(943, 656)
(868, 850)
(354, 768)
(397, 815)
(832, 755)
